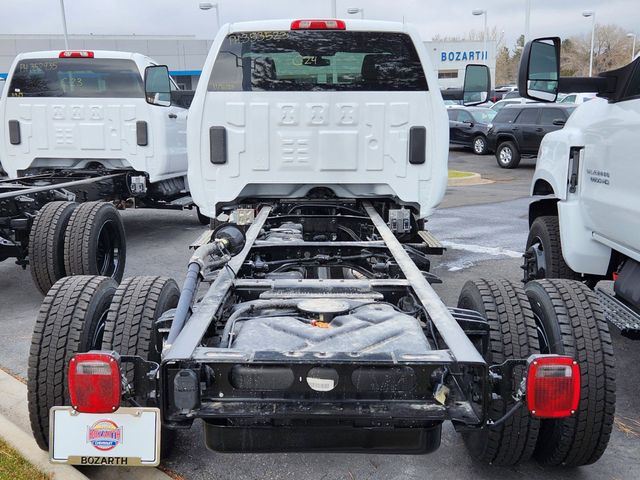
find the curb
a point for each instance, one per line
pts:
(473, 179)
(16, 431)
(13, 404)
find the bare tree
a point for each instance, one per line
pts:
(610, 50)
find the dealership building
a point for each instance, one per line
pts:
(185, 55)
(451, 58)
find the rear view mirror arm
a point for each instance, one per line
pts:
(599, 85)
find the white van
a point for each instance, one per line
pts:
(83, 109)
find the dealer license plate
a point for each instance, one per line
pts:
(130, 436)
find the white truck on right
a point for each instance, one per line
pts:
(585, 217)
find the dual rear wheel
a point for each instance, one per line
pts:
(547, 316)
(68, 238)
(83, 313)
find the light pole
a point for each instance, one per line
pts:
(592, 14)
(353, 11)
(208, 6)
(633, 47)
(334, 9)
(64, 26)
(527, 18)
(483, 12)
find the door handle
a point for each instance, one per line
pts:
(539, 129)
(515, 128)
(173, 115)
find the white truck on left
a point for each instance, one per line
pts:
(79, 139)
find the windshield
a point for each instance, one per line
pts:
(484, 115)
(317, 60)
(76, 77)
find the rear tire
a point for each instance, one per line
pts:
(571, 322)
(507, 155)
(479, 145)
(71, 320)
(95, 242)
(137, 305)
(512, 335)
(46, 244)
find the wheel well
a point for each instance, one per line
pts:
(505, 138)
(542, 187)
(539, 208)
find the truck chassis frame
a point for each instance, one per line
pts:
(458, 389)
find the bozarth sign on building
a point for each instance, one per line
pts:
(451, 58)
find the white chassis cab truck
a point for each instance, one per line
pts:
(585, 217)
(307, 320)
(77, 132)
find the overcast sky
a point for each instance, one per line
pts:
(182, 17)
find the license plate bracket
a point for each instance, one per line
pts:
(128, 437)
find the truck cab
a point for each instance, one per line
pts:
(585, 217)
(344, 108)
(73, 110)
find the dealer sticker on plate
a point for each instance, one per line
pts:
(128, 437)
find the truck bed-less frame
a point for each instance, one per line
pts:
(381, 400)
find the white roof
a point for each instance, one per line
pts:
(285, 24)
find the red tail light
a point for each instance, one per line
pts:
(76, 54)
(553, 386)
(318, 25)
(94, 382)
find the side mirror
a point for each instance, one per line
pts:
(477, 84)
(559, 122)
(157, 86)
(539, 74)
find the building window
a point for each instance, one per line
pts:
(447, 73)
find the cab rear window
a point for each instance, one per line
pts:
(317, 61)
(76, 77)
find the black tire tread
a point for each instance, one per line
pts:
(46, 243)
(57, 336)
(584, 436)
(512, 335)
(77, 240)
(556, 266)
(129, 327)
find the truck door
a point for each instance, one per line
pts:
(524, 129)
(611, 165)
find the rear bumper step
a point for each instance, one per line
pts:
(620, 315)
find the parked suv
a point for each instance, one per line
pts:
(468, 127)
(518, 130)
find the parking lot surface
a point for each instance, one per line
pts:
(484, 228)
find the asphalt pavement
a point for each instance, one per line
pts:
(484, 228)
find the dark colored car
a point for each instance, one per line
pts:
(468, 127)
(518, 130)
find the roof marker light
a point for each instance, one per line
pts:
(318, 25)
